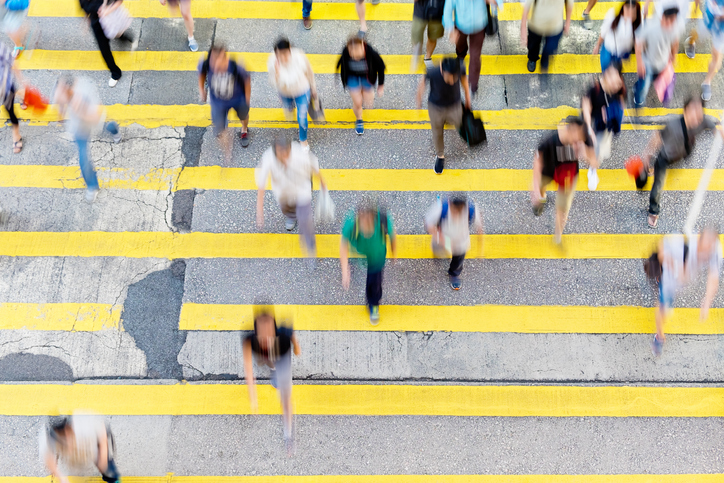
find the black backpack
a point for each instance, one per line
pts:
(472, 129)
(434, 9)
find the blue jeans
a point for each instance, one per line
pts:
(302, 103)
(607, 58)
(306, 8)
(550, 45)
(86, 165)
(642, 86)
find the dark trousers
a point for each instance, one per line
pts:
(661, 164)
(104, 45)
(476, 46)
(456, 265)
(10, 107)
(374, 287)
(550, 45)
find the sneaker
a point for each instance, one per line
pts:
(455, 282)
(657, 347)
(134, 45)
(273, 378)
(90, 194)
(362, 34)
(193, 45)
(538, 209)
(375, 2)
(375, 314)
(557, 239)
(112, 82)
(439, 165)
(117, 137)
(289, 224)
(244, 139)
(706, 92)
(428, 63)
(359, 127)
(587, 22)
(531, 66)
(690, 48)
(592, 179)
(307, 23)
(17, 50)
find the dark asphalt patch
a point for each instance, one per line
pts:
(32, 367)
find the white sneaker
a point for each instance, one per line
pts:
(90, 195)
(134, 45)
(112, 82)
(117, 137)
(592, 179)
(193, 45)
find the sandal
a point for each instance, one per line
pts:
(17, 51)
(18, 146)
(653, 220)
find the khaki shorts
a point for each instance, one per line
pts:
(564, 199)
(435, 30)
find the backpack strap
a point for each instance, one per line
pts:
(444, 211)
(471, 211)
(687, 142)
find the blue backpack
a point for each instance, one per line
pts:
(17, 5)
(446, 209)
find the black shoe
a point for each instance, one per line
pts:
(439, 165)
(531, 66)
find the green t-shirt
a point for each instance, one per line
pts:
(375, 247)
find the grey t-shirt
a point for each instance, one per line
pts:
(657, 44)
(673, 137)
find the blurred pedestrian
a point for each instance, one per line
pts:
(466, 20)
(657, 44)
(617, 34)
(272, 346)
(366, 231)
(95, 9)
(602, 109)
(544, 27)
(443, 104)
(361, 68)
(448, 221)
(16, 13)
(229, 88)
(10, 77)
(290, 73)
(184, 6)
(291, 170)
(712, 25)
(359, 6)
(77, 100)
(662, 5)
(682, 259)
(556, 159)
(79, 441)
(587, 22)
(426, 14)
(674, 143)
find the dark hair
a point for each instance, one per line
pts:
(671, 12)
(451, 65)
(282, 44)
(281, 141)
(458, 200)
(367, 206)
(574, 121)
(355, 40)
(636, 22)
(264, 313)
(692, 99)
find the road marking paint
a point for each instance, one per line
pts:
(76, 317)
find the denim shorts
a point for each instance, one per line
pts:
(357, 82)
(666, 297)
(220, 113)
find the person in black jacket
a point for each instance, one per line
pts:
(361, 67)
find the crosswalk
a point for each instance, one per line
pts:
(537, 371)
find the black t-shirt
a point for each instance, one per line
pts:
(91, 6)
(443, 94)
(357, 67)
(600, 101)
(282, 345)
(555, 153)
(434, 12)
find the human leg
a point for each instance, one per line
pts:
(302, 103)
(461, 46)
(435, 31)
(456, 265)
(564, 200)
(86, 165)
(306, 227)
(660, 167)
(549, 48)
(306, 13)
(374, 288)
(642, 86)
(476, 46)
(185, 9)
(534, 41)
(714, 66)
(104, 46)
(290, 212)
(283, 371)
(220, 120)
(437, 124)
(361, 11)
(357, 99)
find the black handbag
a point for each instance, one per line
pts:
(492, 27)
(316, 111)
(472, 129)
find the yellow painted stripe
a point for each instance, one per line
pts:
(290, 10)
(63, 316)
(264, 245)
(171, 478)
(242, 179)
(456, 318)
(568, 64)
(152, 116)
(380, 400)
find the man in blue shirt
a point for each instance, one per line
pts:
(467, 19)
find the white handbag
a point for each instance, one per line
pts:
(116, 22)
(325, 207)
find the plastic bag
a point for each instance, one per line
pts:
(116, 22)
(325, 207)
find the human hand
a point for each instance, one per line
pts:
(202, 96)
(163, 2)
(380, 91)
(524, 38)
(641, 69)
(260, 220)
(704, 312)
(566, 28)
(596, 50)
(345, 279)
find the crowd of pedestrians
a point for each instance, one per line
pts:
(368, 229)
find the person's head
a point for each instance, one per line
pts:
(218, 58)
(265, 328)
(283, 50)
(669, 17)
(693, 111)
(64, 87)
(356, 48)
(282, 148)
(612, 78)
(366, 215)
(457, 205)
(631, 11)
(450, 68)
(707, 242)
(574, 130)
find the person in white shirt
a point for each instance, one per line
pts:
(448, 221)
(291, 169)
(617, 34)
(681, 261)
(290, 73)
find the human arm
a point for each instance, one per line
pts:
(524, 25)
(640, 66)
(344, 262)
(588, 153)
(674, 50)
(420, 92)
(108, 8)
(448, 22)
(102, 462)
(202, 87)
(569, 14)
(586, 110)
(597, 47)
(712, 287)
(249, 374)
(654, 144)
(295, 344)
(247, 90)
(260, 207)
(393, 239)
(466, 90)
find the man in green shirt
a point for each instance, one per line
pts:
(366, 231)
